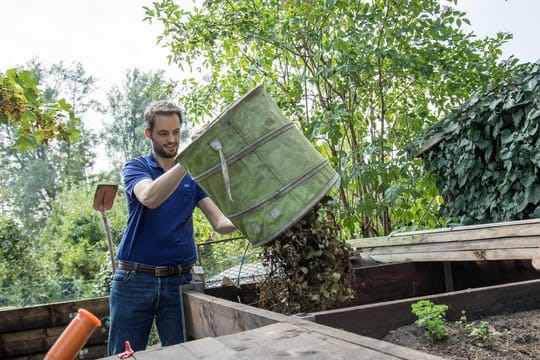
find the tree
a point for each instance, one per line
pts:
(74, 243)
(124, 134)
(35, 119)
(18, 265)
(32, 178)
(360, 78)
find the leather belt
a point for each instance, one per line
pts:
(168, 270)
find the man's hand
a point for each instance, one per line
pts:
(220, 223)
(536, 259)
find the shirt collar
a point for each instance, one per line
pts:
(151, 160)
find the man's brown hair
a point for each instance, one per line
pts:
(160, 107)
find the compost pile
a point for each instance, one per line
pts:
(309, 265)
(514, 336)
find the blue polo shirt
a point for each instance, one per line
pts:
(164, 235)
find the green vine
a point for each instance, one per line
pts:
(488, 160)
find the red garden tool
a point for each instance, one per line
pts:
(103, 202)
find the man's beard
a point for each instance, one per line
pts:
(160, 150)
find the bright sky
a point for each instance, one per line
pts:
(108, 36)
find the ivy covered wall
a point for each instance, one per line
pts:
(486, 155)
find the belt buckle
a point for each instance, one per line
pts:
(161, 271)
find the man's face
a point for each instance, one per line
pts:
(166, 135)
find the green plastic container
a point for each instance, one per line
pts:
(258, 167)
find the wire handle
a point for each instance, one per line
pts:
(216, 145)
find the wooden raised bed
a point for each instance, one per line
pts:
(228, 330)
(376, 320)
(28, 333)
(498, 280)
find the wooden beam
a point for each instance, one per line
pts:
(436, 139)
(376, 320)
(210, 316)
(206, 316)
(512, 229)
(473, 255)
(287, 341)
(39, 340)
(49, 315)
(516, 240)
(484, 244)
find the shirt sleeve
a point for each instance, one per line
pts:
(200, 194)
(134, 171)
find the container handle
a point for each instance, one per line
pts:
(216, 145)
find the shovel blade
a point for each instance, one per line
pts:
(104, 197)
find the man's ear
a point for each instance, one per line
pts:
(148, 133)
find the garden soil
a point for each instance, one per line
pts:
(517, 337)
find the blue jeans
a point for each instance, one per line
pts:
(136, 300)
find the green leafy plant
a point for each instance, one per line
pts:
(487, 161)
(480, 332)
(430, 317)
(37, 120)
(359, 78)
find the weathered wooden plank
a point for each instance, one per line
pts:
(88, 352)
(376, 320)
(396, 281)
(285, 340)
(38, 341)
(470, 245)
(473, 255)
(520, 228)
(436, 139)
(206, 348)
(281, 340)
(49, 315)
(201, 349)
(384, 347)
(222, 317)
(164, 353)
(207, 316)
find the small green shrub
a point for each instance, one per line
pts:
(481, 332)
(430, 317)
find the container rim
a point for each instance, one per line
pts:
(229, 108)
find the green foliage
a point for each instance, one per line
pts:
(35, 119)
(124, 131)
(361, 79)
(480, 332)
(19, 266)
(430, 317)
(489, 159)
(31, 179)
(74, 242)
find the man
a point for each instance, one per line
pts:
(157, 250)
(536, 259)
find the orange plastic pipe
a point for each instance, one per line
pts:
(74, 337)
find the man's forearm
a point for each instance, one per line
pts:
(153, 193)
(225, 226)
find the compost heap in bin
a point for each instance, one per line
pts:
(309, 265)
